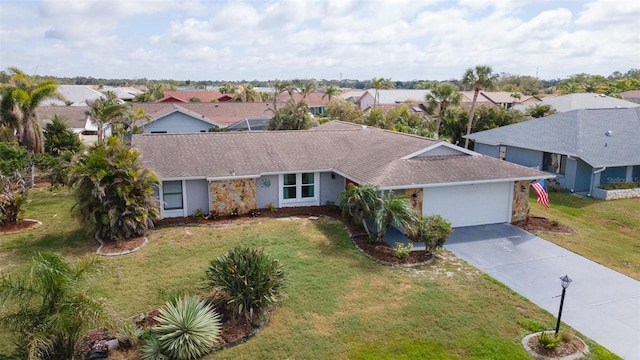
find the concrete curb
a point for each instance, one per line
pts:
(99, 250)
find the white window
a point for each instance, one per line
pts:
(172, 195)
(299, 187)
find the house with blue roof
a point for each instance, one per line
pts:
(584, 148)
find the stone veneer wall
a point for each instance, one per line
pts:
(228, 195)
(416, 201)
(616, 194)
(520, 200)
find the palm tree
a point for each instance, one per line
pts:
(114, 193)
(247, 93)
(49, 309)
(19, 102)
(331, 91)
(360, 203)
(516, 96)
(394, 209)
(228, 88)
(540, 110)
(441, 96)
(279, 87)
(305, 87)
(105, 111)
(380, 84)
(479, 78)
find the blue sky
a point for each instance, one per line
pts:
(324, 39)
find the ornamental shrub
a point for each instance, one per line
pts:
(251, 279)
(187, 329)
(433, 230)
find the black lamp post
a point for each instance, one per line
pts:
(565, 284)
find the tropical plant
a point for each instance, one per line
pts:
(13, 157)
(380, 84)
(13, 196)
(228, 88)
(548, 340)
(18, 104)
(331, 91)
(188, 328)
(441, 96)
(478, 79)
(433, 230)
(279, 87)
(343, 110)
(304, 87)
(360, 203)
(114, 193)
(246, 93)
(393, 209)
(107, 111)
(402, 251)
(251, 280)
(58, 138)
(48, 308)
(293, 116)
(540, 110)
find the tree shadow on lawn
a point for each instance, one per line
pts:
(75, 242)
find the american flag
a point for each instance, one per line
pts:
(543, 197)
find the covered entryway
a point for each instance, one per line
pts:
(472, 204)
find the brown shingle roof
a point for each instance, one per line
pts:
(186, 96)
(74, 116)
(364, 154)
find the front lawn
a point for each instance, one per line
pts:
(339, 304)
(608, 232)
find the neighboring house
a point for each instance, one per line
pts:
(632, 95)
(75, 95)
(583, 148)
(577, 101)
(178, 120)
(227, 171)
(123, 93)
(203, 96)
(224, 113)
(316, 101)
(392, 96)
(503, 99)
(74, 116)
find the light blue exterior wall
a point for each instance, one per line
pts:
(197, 196)
(266, 191)
(583, 177)
(524, 157)
(330, 188)
(177, 123)
(489, 150)
(636, 173)
(613, 175)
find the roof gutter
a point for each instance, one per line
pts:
(600, 170)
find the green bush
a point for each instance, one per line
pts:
(13, 195)
(188, 328)
(402, 251)
(433, 230)
(620, 185)
(199, 214)
(251, 280)
(549, 340)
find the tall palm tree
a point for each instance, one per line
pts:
(49, 308)
(331, 91)
(360, 203)
(19, 102)
(106, 111)
(394, 209)
(228, 88)
(380, 84)
(305, 87)
(441, 96)
(279, 87)
(479, 78)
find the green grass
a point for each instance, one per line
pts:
(608, 232)
(339, 304)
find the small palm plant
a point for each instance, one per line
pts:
(187, 329)
(359, 203)
(251, 279)
(393, 209)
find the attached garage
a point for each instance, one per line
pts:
(471, 204)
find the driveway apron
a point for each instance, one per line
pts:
(600, 303)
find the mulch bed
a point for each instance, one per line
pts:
(115, 247)
(18, 226)
(542, 224)
(565, 348)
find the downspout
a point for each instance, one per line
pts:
(593, 177)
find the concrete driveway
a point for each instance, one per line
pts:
(600, 303)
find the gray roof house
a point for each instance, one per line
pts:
(577, 101)
(583, 148)
(225, 171)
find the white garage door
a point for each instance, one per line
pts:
(466, 205)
